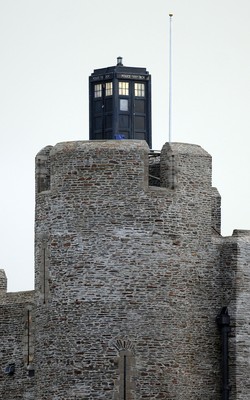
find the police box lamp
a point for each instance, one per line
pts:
(120, 103)
(119, 61)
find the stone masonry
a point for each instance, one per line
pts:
(130, 273)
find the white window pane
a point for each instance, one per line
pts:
(124, 88)
(109, 89)
(98, 90)
(140, 89)
(123, 105)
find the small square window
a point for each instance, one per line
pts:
(98, 90)
(123, 104)
(124, 88)
(139, 89)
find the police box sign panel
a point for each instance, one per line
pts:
(130, 76)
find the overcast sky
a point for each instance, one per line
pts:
(48, 48)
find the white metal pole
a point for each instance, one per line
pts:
(170, 77)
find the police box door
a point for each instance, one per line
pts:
(101, 117)
(133, 122)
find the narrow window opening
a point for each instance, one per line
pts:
(124, 377)
(28, 342)
(124, 385)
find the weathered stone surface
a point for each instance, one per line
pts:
(129, 278)
(3, 282)
(236, 274)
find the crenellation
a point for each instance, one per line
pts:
(3, 282)
(154, 169)
(99, 165)
(185, 165)
(42, 170)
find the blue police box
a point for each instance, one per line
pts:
(120, 103)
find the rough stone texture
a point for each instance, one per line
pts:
(129, 278)
(3, 282)
(13, 339)
(235, 267)
(216, 211)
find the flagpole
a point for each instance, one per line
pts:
(170, 77)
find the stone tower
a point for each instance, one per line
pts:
(126, 295)
(130, 274)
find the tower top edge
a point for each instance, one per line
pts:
(100, 145)
(126, 145)
(185, 148)
(44, 151)
(242, 233)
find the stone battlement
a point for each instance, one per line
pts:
(125, 161)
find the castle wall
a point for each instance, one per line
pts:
(236, 288)
(125, 291)
(17, 345)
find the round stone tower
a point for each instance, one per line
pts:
(125, 299)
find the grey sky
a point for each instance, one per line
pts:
(48, 48)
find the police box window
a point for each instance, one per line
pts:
(98, 90)
(109, 89)
(139, 89)
(124, 88)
